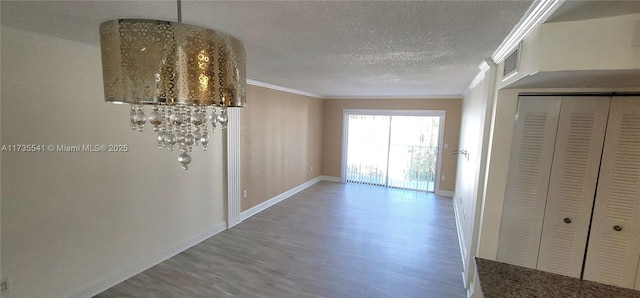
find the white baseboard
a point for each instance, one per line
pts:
(474, 290)
(445, 193)
(113, 279)
(234, 221)
(277, 199)
(331, 178)
(461, 244)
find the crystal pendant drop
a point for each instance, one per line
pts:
(176, 118)
(214, 118)
(132, 117)
(223, 118)
(198, 118)
(204, 138)
(162, 138)
(155, 118)
(184, 159)
(204, 141)
(189, 139)
(170, 139)
(140, 119)
(196, 137)
(180, 139)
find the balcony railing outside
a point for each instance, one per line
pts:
(410, 166)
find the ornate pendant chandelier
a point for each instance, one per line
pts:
(183, 72)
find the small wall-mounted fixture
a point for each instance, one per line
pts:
(460, 152)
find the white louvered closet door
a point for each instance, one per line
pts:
(613, 249)
(529, 168)
(574, 174)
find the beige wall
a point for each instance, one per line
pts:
(73, 222)
(333, 116)
(280, 141)
(472, 128)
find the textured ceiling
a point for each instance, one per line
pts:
(327, 48)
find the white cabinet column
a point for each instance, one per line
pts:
(233, 168)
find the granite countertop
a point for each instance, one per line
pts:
(503, 280)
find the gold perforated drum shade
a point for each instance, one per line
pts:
(162, 62)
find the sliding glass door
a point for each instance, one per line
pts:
(368, 149)
(393, 148)
(413, 154)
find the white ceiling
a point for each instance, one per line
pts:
(328, 48)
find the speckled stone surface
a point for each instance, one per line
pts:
(503, 280)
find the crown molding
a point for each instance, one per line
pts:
(446, 96)
(539, 12)
(484, 66)
(479, 77)
(280, 88)
(299, 92)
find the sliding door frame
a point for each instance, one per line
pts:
(391, 113)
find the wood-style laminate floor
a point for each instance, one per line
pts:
(330, 240)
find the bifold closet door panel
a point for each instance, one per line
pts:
(613, 249)
(574, 174)
(529, 168)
